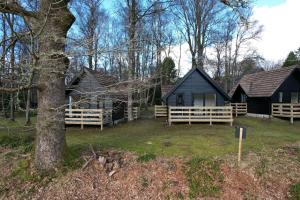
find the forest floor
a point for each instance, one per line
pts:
(146, 159)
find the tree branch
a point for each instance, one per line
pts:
(13, 7)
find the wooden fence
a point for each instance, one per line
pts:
(84, 117)
(200, 114)
(286, 110)
(239, 108)
(135, 113)
(160, 111)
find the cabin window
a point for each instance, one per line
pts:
(243, 98)
(280, 97)
(210, 99)
(295, 97)
(179, 100)
(198, 99)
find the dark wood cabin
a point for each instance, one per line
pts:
(92, 89)
(196, 88)
(260, 90)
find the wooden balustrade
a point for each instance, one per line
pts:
(160, 111)
(286, 110)
(135, 113)
(200, 114)
(239, 108)
(84, 117)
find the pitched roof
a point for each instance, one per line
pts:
(102, 78)
(165, 89)
(263, 84)
(205, 75)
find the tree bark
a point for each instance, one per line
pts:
(27, 120)
(50, 141)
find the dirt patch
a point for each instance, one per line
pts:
(264, 175)
(159, 179)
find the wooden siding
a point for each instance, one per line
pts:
(194, 84)
(92, 93)
(291, 84)
(263, 105)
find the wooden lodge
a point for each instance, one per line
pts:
(261, 90)
(195, 98)
(95, 90)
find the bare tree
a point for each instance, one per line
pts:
(49, 24)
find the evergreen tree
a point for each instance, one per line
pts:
(168, 71)
(292, 59)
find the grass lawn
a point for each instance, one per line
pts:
(153, 136)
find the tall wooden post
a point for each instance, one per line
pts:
(240, 146)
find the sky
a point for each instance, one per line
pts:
(281, 27)
(281, 32)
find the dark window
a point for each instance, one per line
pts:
(179, 100)
(280, 97)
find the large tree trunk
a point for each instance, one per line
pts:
(51, 142)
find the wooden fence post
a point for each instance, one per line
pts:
(210, 112)
(231, 116)
(189, 113)
(292, 113)
(169, 116)
(81, 119)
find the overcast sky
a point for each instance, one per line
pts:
(281, 27)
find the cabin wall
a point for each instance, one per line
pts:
(291, 84)
(194, 84)
(236, 97)
(91, 93)
(259, 105)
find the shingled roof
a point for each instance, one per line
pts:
(165, 89)
(102, 78)
(263, 84)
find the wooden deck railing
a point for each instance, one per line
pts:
(200, 114)
(84, 117)
(286, 110)
(239, 108)
(160, 111)
(135, 113)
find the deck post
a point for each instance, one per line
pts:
(189, 116)
(236, 112)
(169, 116)
(292, 113)
(210, 120)
(81, 119)
(231, 116)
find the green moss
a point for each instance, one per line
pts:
(204, 177)
(146, 157)
(294, 191)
